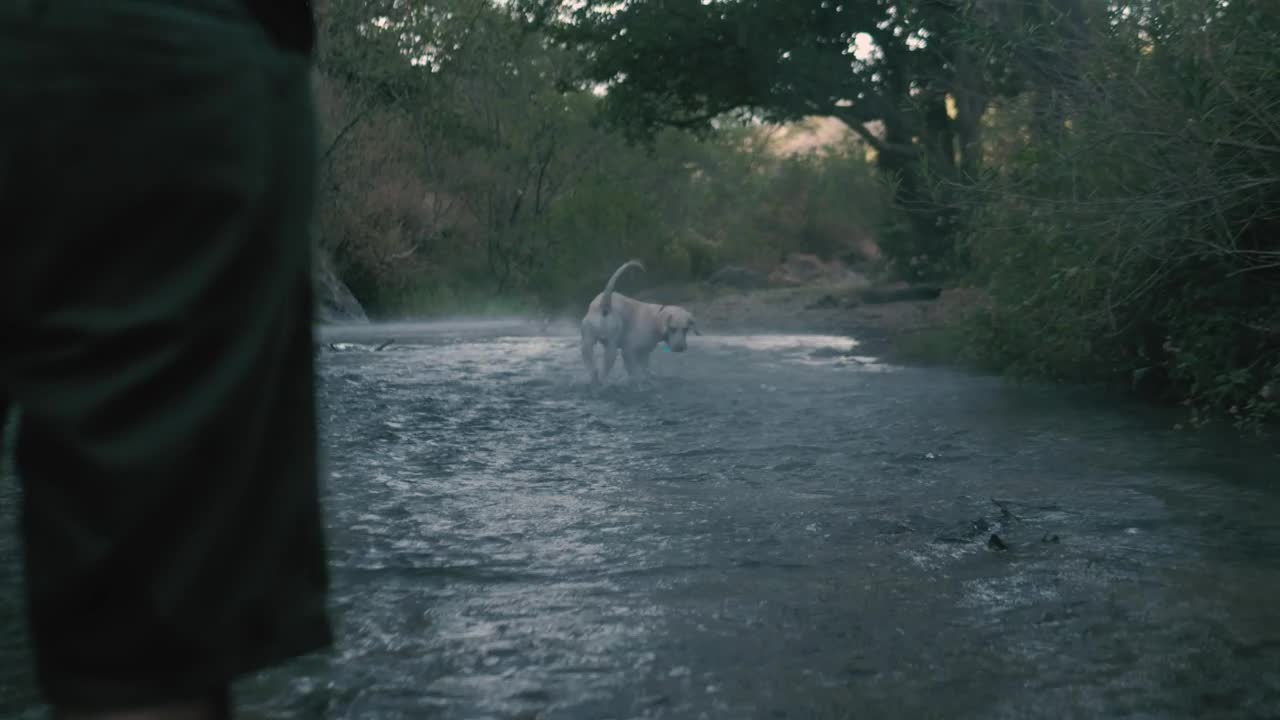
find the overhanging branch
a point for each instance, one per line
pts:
(856, 120)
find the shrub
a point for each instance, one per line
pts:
(1141, 239)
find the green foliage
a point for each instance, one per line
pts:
(441, 299)
(459, 165)
(944, 344)
(912, 67)
(1140, 238)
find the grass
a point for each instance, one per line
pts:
(945, 344)
(425, 302)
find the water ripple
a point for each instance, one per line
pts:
(768, 530)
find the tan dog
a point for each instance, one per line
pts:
(633, 328)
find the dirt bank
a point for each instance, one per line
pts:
(889, 329)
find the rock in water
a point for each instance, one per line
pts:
(826, 302)
(899, 292)
(736, 276)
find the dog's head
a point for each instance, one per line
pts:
(677, 323)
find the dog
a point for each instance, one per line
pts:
(630, 327)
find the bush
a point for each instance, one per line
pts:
(1141, 239)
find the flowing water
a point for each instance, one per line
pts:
(775, 528)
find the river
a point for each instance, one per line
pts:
(776, 528)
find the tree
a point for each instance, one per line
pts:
(457, 167)
(907, 66)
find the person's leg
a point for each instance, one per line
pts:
(155, 300)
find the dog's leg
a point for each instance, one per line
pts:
(610, 355)
(642, 364)
(589, 355)
(639, 368)
(629, 362)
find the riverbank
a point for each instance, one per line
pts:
(916, 331)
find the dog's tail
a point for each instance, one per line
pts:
(606, 298)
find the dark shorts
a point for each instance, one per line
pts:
(156, 188)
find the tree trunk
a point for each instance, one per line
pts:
(970, 95)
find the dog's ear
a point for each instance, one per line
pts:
(694, 327)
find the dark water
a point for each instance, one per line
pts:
(769, 534)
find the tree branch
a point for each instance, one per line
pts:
(333, 145)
